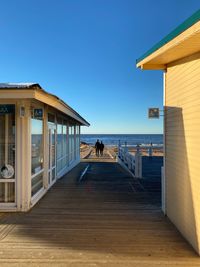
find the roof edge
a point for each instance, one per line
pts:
(84, 122)
(178, 30)
(36, 87)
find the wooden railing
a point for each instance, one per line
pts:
(131, 162)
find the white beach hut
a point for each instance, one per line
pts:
(39, 143)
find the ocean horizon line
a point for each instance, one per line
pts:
(129, 139)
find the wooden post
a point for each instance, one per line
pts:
(119, 149)
(150, 150)
(138, 163)
(126, 148)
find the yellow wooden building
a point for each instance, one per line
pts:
(178, 55)
(39, 143)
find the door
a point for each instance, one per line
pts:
(7, 155)
(52, 155)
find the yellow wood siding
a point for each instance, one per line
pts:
(182, 130)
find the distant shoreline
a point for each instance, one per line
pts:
(86, 149)
(131, 140)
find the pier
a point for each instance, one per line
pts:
(96, 215)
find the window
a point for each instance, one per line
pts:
(59, 145)
(36, 145)
(66, 144)
(65, 152)
(62, 144)
(77, 141)
(70, 143)
(37, 154)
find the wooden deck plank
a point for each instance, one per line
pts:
(100, 221)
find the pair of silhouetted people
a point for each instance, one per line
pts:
(99, 147)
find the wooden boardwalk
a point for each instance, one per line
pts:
(105, 219)
(108, 155)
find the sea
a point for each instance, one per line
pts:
(131, 139)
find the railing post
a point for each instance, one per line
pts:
(138, 163)
(126, 153)
(129, 161)
(119, 149)
(119, 143)
(150, 150)
(126, 148)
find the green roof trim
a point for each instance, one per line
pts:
(181, 28)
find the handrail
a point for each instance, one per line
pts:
(132, 162)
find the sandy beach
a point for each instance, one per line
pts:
(86, 149)
(157, 151)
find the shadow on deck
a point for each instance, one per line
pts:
(106, 219)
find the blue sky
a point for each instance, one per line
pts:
(84, 51)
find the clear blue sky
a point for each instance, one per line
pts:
(84, 51)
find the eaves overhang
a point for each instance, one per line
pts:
(182, 42)
(35, 91)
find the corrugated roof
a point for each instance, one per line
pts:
(181, 28)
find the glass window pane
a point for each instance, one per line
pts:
(53, 174)
(36, 184)
(59, 141)
(2, 192)
(7, 192)
(49, 149)
(36, 145)
(70, 143)
(49, 177)
(73, 143)
(59, 165)
(59, 120)
(11, 140)
(53, 151)
(77, 141)
(51, 118)
(63, 162)
(64, 140)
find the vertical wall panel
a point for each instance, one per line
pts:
(182, 133)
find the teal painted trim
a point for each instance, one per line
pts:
(181, 28)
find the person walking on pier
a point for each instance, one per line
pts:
(101, 148)
(97, 147)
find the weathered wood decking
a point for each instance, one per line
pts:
(107, 219)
